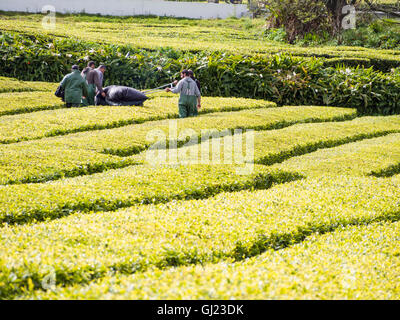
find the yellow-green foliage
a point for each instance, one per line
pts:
(197, 231)
(361, 262)
(358, 158)
(56, 122)
(274, 146)
(14, 85)
(50, 158)
(126, 187)
(260, 119)
(230, 226)
(34, 162)
(23, 102)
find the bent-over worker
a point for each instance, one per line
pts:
(95, 77)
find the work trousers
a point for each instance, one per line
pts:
(187, 106)
(89, 100)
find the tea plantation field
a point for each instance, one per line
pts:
(236, 36)
(87, 212)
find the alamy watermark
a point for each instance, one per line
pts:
(350, 18)
(348, 21)
(49, 21)
(206, 146)
(49, 280)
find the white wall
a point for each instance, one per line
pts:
(130, 7)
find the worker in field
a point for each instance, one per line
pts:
(100, 71)
(75, 88)
(90, 80)
(90, 66)
(190, 97)
(191, 74)
(96, 77)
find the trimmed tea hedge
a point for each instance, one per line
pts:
(58, 122)
(358, 158)
(276, 146)
(127, 187)
(360, 262)
(81, 153)
(235, 36)
(14, 85)
(228, 227)
(25, 102)
(28, 162)
(142, 184)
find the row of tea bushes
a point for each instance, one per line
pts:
(114, 189)
(229, 227)
(142, 184)
(25, 102)
(358, 262)
(58, 122)
(274, 146)
(13, 85)
(358, 158)
(93, 151)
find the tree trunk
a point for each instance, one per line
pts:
(335, 9)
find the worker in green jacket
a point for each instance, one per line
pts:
(75, 88)
(190, 97)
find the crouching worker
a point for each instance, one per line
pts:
(75, 88)
(190, 97)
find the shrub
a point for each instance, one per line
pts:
(23, 102)
(275, 146)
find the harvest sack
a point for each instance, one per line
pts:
(121, 96)
(60, 93)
